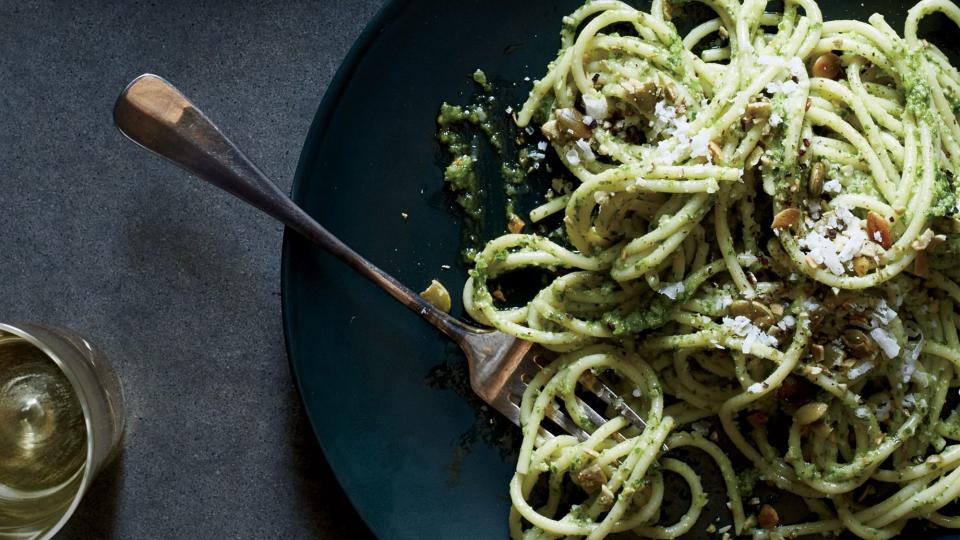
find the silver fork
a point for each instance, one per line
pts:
(158, 117)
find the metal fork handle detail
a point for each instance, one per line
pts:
(157, 116)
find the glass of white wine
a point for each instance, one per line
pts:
(61, 421)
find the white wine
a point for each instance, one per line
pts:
(43, 438)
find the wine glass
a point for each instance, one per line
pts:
(61, 421)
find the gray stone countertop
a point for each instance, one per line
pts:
(178, 283)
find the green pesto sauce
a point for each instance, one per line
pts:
(917, 91)
(944, 196)
(480, 78)
(949, 249)
(747, 481)
(461, 132)
(461, 176)
(653, 315)
(457, 127)
(514, 183)
(860, 182)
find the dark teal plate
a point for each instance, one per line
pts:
(383, 390)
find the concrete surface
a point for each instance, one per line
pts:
(177, 282)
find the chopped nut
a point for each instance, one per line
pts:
(816, 351)
(558, 185)
(920, 265)
(785, 218)
(756, 111)
(438, 296)
(516, 224)
(936, 241)
(498, 294)
(878, 229)
(923, 241)
(606, 496)
(671, 94)
(827, 66)
(768, 517)
(715, 151)
(862, 265)
(591, 452)
(550, 130)
(592, 478)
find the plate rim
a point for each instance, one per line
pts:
(319, 126)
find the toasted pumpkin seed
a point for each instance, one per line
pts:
(818, 172)
(437, 295)
(827, 66)
(570, 122)
(788, 217)
(858, 343)
(768, 517)
(753, 310)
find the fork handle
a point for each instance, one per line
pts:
(158, 117)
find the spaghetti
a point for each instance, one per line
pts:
(762, 236)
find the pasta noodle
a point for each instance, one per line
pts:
(759, 250)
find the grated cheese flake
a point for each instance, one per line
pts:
(672, 290)
(596, 106)
(888, 344)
